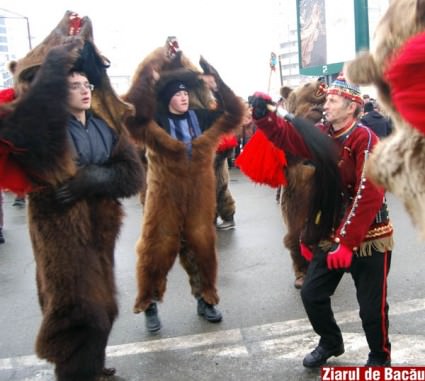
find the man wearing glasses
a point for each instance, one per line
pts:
(79, 162)
(92, 138)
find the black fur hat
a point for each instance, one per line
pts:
(170, 89)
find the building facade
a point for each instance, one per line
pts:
(15, 42)
(287, 30)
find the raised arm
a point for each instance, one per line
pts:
(36, 128)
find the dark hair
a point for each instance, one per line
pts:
(75, 71)
(368, 107)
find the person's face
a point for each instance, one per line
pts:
(337, 109)
(179, 102)
(79, 93)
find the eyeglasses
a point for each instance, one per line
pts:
(78, 86)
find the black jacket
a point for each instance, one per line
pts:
(379, 124)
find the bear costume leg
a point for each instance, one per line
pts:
(74, 338)
(156, 253)
(201, 254)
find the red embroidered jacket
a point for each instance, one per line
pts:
(363, 199)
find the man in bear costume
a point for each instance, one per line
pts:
(180, 202)
(74, 215)
(395, 67)
(305, 101)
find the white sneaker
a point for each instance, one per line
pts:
(226, 225)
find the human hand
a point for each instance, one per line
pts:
(339, 257)
(306, 252)
(259, 102)
(90, 180)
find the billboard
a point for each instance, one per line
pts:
(329, 34)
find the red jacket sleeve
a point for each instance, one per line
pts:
(283, 135)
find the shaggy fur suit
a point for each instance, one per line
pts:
(73, 244)
(180, 205)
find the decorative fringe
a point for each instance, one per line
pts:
(262, 162)
(382, 245)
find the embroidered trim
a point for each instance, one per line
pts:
(362, 186)
(379, 231)
(345, 130)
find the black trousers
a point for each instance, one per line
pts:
(370, 279)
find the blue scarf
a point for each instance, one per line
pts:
(185, 129)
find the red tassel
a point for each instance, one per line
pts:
(227, 142)
(12, 177)
(262, 162)
(7, 95)
(405, 74)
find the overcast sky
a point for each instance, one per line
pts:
(237, 37)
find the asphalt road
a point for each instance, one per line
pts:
(264, 334)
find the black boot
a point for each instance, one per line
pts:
(2, 240)
(152, 322)
(320, 355)
(208, 311)
(378, 359)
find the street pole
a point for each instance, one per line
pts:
(28, 32)
(280, 69)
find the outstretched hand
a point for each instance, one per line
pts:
(259, 102)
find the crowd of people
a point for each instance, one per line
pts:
(94, 163)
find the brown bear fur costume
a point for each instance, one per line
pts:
(226, 206)
(298, 200)
(180, 202)
(74, 244)
(305, 101)
(396, 161)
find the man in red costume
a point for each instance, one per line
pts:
(360, 238)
